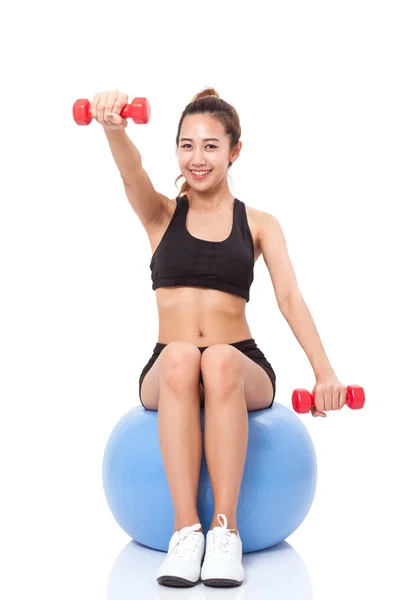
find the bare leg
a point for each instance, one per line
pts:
(179, 428)
(225, 440)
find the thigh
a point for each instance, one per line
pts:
(149, 389)
(259, 388)
(259, 376)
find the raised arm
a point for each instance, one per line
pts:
(147, 203)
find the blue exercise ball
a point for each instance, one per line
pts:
(277, 490)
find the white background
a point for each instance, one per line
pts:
(316, 86)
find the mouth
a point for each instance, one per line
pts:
(200, 174)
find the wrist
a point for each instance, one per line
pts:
(322, 371)
(117, 133)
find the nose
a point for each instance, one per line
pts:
(198, 158)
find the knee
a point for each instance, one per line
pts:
(222, 363)
(180, 363)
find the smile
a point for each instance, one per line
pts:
(200, 174)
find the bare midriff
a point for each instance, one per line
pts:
(201, 316)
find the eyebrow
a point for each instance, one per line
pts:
(204, 140)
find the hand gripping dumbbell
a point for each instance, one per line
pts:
(303, 401)
(138, 110)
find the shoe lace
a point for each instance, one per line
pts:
(222, 537)
(179, 548)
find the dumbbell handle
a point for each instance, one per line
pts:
(138, 110)
(303, 401)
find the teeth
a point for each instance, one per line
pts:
(200, 173)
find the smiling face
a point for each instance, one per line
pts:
(204, 151)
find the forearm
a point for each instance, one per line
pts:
(296, 313)
(127, 157)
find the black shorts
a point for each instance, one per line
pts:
(248, 347)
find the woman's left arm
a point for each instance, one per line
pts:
(296, 313)
(330, 393)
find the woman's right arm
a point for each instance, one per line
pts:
(147, 203)
(127, 157)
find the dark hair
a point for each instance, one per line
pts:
(208, 101)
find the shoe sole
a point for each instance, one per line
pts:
(221, 582)
(171, 581)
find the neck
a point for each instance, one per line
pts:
(210, 200)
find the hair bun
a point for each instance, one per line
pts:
(207, 92)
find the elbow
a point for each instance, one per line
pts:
(287, 300)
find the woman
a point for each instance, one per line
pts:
(205, 243)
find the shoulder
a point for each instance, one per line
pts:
(261, 222)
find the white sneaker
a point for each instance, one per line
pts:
(222, 566)
(181, 567)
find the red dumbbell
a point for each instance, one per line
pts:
(138, 110)
(303, 401)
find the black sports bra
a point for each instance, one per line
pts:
(183, 260)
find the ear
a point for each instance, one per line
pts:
(236, 151)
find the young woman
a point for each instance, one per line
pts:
(205, 243)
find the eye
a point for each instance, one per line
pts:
(212, 145)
